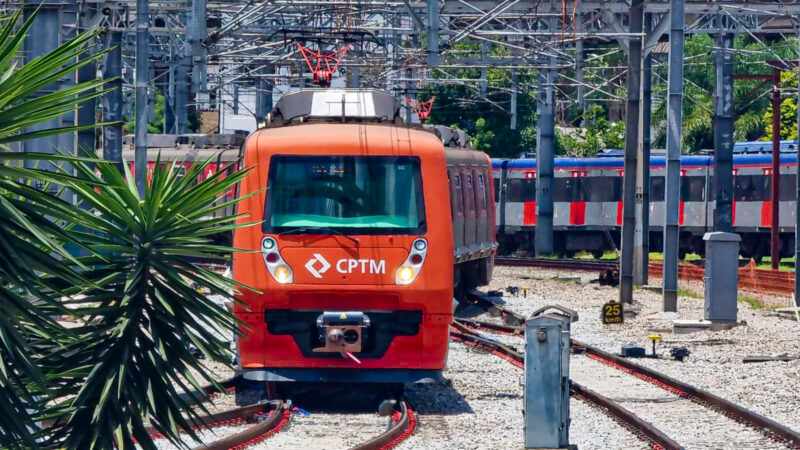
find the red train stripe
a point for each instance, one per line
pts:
(766, 213)
(619, 213)
(577, 213)
(529, 213)
(681, 212)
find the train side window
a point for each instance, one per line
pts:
(598, 189)
(521, 190)
(469, 190)
(750, 188)
(562, 189)
(693, 189)
(657, 189)
(459, 194)
(496, 190)
(481, 191)
(788, 187)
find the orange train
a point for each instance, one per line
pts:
(358, 254)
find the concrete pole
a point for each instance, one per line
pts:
(513, 108)
(631, 142)
(182, 70)
(85, 142)
(642, 237)
(723, 134)
(112, 102)
(545, 155)
(198, 32)
(433, 56)
(775, 237)
(142, 79)
(673, 180)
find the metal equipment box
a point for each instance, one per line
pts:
(721, 276)
(546, 402)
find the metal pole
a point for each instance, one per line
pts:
(775, 237)
(86, 112)
(112, 102)
(484, 83)
(797, 208)
(198, 34)
(142, 79)
(673, 180)
(545, 155)
(579, 70)
(723, 134)
(43, 38)
(513, 108)
(642, 238)
(182, 90)
(631, 142)
(433, 56)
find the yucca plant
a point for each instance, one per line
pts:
(150, 313)
(34, 267)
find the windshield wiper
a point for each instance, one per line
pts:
(319, 230)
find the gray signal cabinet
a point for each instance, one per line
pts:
(721, 276)
(546, 400)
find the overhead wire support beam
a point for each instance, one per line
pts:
(674, 142)
(631, 143)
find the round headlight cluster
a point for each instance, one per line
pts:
(420, 245)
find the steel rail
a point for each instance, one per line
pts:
(771, 428)
(644, 430)
(404, 423)
(251, 435)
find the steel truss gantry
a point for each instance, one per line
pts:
(202, 52)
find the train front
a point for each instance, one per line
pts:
(353, 255)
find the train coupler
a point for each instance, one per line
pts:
(342, 332)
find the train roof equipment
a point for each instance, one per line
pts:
(335, 105)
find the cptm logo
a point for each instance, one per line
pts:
(318, 265)
(311, 265)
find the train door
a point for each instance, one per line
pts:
(457, 207)
(470, 213)
(482, 207)
(577, 205)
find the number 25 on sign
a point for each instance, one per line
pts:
(612, 313)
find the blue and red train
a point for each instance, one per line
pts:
(587, 201)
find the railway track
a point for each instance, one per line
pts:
(644, 430)
(765, 426)
(265, 419)
(750, 277)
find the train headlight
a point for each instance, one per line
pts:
(408, 271)
(283, 274)
(277, 267)
(404, 275)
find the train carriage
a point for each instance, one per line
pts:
(366, 226)
(587, 197)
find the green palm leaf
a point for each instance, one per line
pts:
(147, 307)
(35, 270)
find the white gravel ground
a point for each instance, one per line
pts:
(715, 363)
(480, 405)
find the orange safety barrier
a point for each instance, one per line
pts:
(750, 277)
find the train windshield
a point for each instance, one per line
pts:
(344, 194)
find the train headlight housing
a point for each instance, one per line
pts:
(277, 267)
(408, 271)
